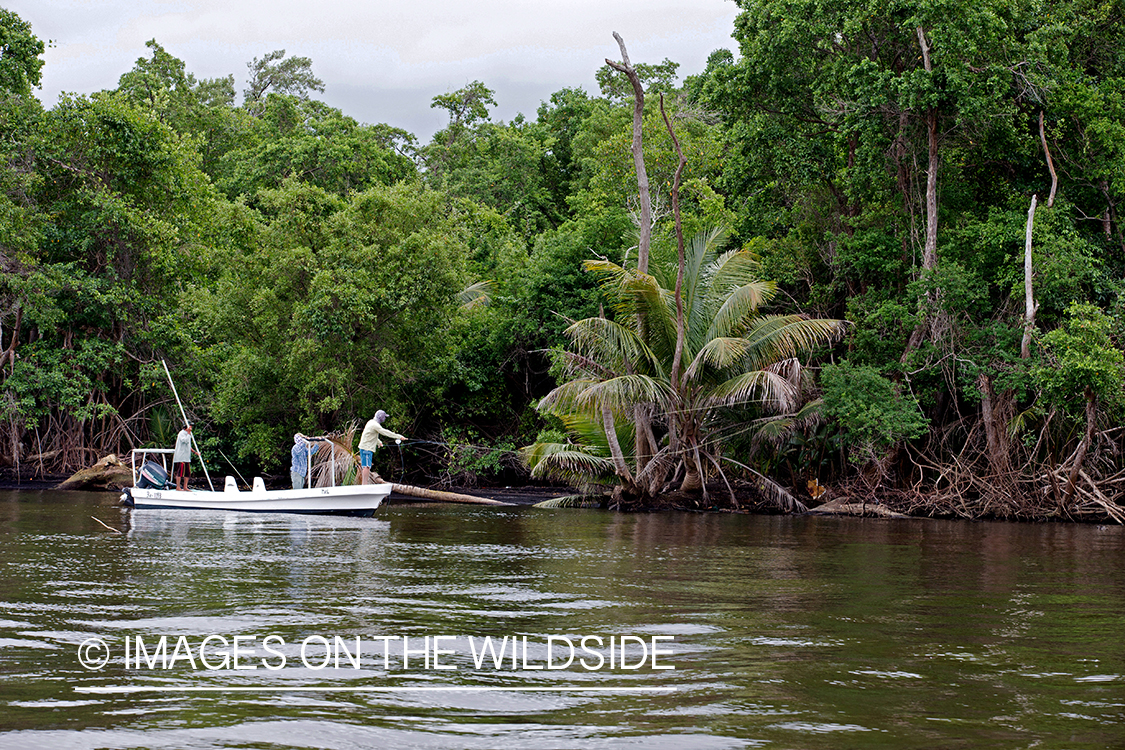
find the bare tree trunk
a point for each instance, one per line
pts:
(643, 438)
(615, 451)
(10, 352)
(443, 497)
(693, 471)
(1110, 220)
(693, 475)
(678, 355)
(901, 155)
(1050, 162)
(929, 254)
(1030, 305)
(641, 419)
(626, 67)
(929, 257)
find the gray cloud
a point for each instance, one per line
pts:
(381, 62)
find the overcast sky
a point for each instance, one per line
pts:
(381, 61)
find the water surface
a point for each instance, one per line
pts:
(786, 632)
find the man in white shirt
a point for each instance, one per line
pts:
(181, 458)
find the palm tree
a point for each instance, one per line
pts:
(621, 371)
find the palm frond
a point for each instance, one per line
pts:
(658, 467)
(699, 259)
(775, 428)
(562, 454)
(734, 268)
(475, 295)
(780, 496)
(622, 393)
(588, 431)
(773, 491)
(770, 389)
(567, 463)
(610, 274)
(733, 315)
(564, 398)
(332, 461)
(573, 501)
(581, 364)
(653, 308)
(777, 337)
(611, 344)
(718, 352)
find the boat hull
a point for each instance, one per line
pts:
(351, 500)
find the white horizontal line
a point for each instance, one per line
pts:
(121, 689)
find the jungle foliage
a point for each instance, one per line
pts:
(873, 163)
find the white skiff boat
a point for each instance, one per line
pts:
(150, 490)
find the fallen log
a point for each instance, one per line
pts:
(107, 474)
(839, 508)
(443, 497)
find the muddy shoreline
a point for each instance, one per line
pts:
(9, 480)
(750, 501)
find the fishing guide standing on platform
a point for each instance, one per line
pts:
(369, 441)
(181, 458)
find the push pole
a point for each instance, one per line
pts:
(184, 415)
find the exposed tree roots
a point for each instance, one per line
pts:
(958, 489)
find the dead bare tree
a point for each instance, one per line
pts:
(645, 444)
(1050, 162)
(1030, 305)
(929, 254)
(626, 67)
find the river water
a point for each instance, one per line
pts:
(754, 631)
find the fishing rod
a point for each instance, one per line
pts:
(231, 464)
(184, 415)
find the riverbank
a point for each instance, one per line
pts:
(850, 500)
(10, 480)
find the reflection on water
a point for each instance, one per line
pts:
(786, 632)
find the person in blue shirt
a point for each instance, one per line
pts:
(299, 467)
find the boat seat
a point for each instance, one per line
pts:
(230, 486)
(259, 485)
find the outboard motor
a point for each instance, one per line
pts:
(153, 476)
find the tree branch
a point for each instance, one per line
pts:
(1029, 299)
(1050, 162)
(638, 153)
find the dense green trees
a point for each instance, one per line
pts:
(338, 307)
(20, 66)
(299, 268)
(896, 149)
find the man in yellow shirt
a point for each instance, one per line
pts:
(369, 441)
